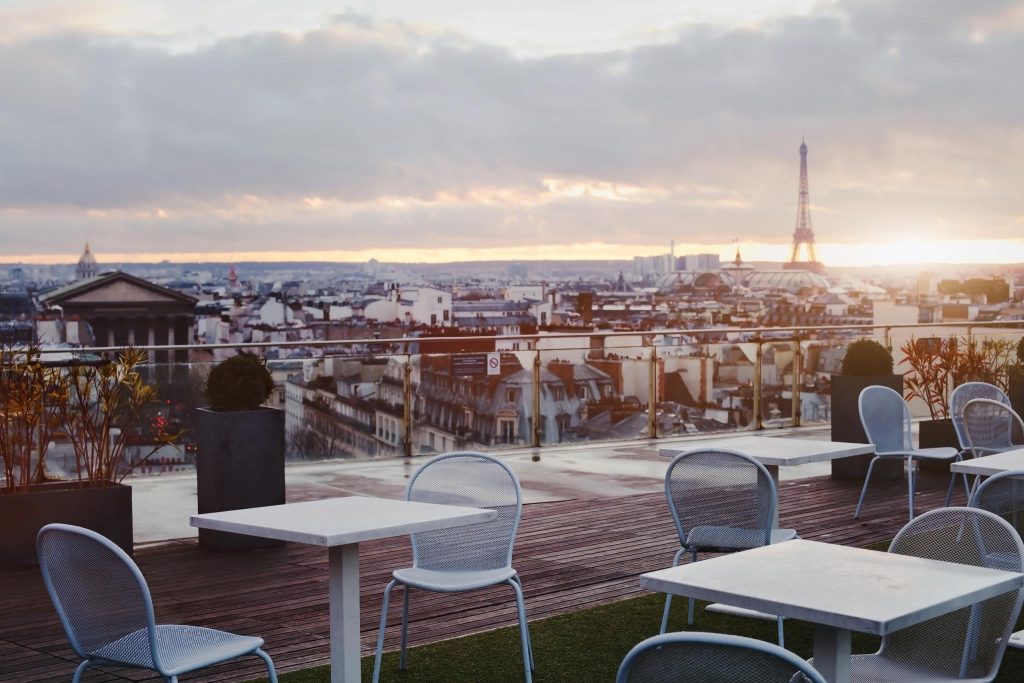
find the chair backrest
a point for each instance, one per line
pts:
(990, 426)
(723, 489)
(713, 658)
(100, 595)
(886, 419)
(1003, 495)
(962, 395)
(469, 479)
(969, 642)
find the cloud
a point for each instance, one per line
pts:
(369, 134)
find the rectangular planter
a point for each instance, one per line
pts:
(846, 425)
(240, 465)
(106, 510)
(933, 434)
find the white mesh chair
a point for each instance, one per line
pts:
(468, 557)
(967, 644)
(713, 658)
(958, 400)
(721, 501)
(886, 420)
(990, 427)
(1003, 495)
(107, 613)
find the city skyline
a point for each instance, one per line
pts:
(190, 131)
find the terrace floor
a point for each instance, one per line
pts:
(571, 554)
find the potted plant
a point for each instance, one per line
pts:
(240, 463)
(865, 364)
(92, 408)
(938, 365)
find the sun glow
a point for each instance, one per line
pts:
(831, 254)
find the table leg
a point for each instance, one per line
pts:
(832, 653)
(343, 582)
(774, 471)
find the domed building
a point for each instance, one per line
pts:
(87, 266)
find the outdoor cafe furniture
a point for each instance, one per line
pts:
(712, 658)
(886, 420)
(105, 607)
(721, 501)
(340, 524)
(958, 400)
(469, 557)
(1003, 495)
(920, 596)
(778, 451)
(991, 427)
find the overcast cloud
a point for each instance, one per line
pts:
(368, 133)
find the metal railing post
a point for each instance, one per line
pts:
(797, 376)
(757, 384)
(652, 395)
(407, 406)
(536, 399)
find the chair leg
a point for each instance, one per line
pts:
(782, 634)
(79, 671)
(524, 631)
(864, 489)
(690, 602)
(380, 633)
(529, 638)
(668, 596)
(405, 626)
(271, 671)
(910, 486)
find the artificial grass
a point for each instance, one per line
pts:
(588, 646)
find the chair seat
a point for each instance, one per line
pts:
(180, 648)
(938, 453)
(1017, 640)
(452, 581)
(732, 538)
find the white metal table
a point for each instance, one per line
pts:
(837, 588)
(339, 524)
(988, 465)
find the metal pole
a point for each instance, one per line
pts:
(652, 395)
(757, 385)
(536, 400)
(797, 374)
(407, 406)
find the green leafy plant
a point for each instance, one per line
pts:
(939, 364)
(239, 383)
(100, 407)
(867, 357)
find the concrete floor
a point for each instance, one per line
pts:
(162, 503)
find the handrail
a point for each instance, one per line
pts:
(1009, 324)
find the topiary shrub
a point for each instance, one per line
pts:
(867, 357)
(239, 383)
(1020, 351)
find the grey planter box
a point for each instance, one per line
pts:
(846, 426)
(106, 510)
(240, 465)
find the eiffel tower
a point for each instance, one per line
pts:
(803, 235)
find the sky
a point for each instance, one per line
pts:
(406, 130)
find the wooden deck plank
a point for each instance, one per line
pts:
(571, 555)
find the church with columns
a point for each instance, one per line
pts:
(124, 310)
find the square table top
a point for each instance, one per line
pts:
(988, 465)
(834, 585)
(778, 450)
(340, 521)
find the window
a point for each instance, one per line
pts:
(506, 431)
(583, 392)
(439, 300)
(564, 423)
(447, 315)
(559, 393)
(511, 395)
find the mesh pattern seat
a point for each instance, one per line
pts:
(467, 557)
(990, 427)
(964, 394)
(885, 417)
(967, 644)
(721, 501)
(712, 658)
(106, 610)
